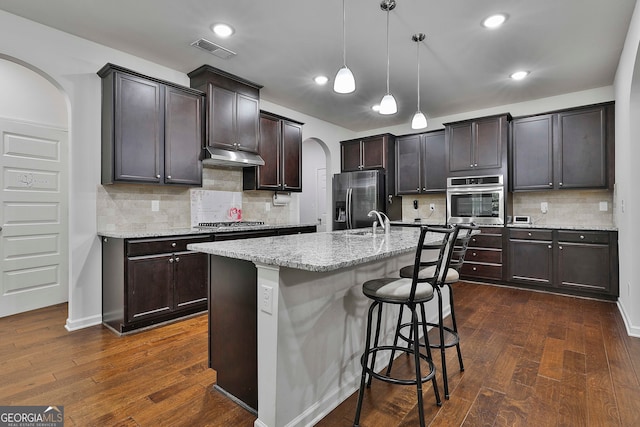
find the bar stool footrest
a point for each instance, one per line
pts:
(389, 379)
(451, 337)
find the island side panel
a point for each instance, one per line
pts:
(233, 328)
(319, 330)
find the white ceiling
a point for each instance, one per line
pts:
(568, 45)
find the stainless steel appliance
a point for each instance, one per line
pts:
(478, 199)
(355, 194)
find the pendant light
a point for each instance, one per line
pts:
(344, 81)
(388, 104)
(419, 120)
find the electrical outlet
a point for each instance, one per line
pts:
(628, 288)
(155, 205)
(604, 207)
(266, 300)
(267, 206)
(544, 207)
(432, 207)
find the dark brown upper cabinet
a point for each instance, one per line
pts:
(565, 149)
(151, 130)
(373, 152)
(421, 163)
(233, 109)
(281, 148)
(477, 146)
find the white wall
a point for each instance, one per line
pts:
(627, 96)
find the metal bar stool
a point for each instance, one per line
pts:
(409, 292)
(448, 336)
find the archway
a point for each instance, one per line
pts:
(34, 255)
(316, 183)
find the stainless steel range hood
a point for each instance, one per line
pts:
(231, 158)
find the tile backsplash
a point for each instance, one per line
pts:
(565, 207)
(128, 207)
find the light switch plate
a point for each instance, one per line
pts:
(266, 299)
(604, 206)
(155, 205)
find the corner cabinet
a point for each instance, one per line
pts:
(147, 281)
(420, 163)
(564, 149)
(232, 112)
(581, 263)
(477, 146)
(281, 148)
(151, 130)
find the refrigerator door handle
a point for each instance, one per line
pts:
(349, 190)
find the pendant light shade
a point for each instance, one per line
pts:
(419, 120)
(388, 104)
(344, 81)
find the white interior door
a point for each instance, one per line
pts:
(34, 217)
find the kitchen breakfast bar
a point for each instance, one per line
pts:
(287, 317)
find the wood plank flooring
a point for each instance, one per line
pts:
(531, 359)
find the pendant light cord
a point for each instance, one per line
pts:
(418, 55)
(344, 35)
(387, 50)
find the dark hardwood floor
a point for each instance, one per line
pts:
(531, 359)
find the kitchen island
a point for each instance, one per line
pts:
(303, 292)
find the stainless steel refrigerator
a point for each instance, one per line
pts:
(355, 194)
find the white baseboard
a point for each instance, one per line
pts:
(632, 331)
(74, 325)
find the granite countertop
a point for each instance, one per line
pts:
(187, 231)
(319, 252)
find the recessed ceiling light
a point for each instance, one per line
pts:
(321, 80)
(519, 75)
(494, 21)
(376, 108)
(222, 30)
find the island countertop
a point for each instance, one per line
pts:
(318, 252)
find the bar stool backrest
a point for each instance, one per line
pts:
(459, 250)
(438, 243)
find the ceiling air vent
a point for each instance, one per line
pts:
(213, 49)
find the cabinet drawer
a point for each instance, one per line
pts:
(244, 235)
(487, 271)
(483, 255)
(583, 237)
(486, 241)
(531, 234)
(163, 245)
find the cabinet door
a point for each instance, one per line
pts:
(408, 180)
(582, 149)
(584, 267)
(139, 129)
(183, 137)
(532, 153)
(222, 117)
(374, 154)
(460, 147)
(247, 123)
(434, 163)
(291, 156)
(530, 262)
(268, 175)
(149, 286)
(191, 273)
(487, 141)
(350, 155)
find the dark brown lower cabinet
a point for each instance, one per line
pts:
(583, 263)
(149, 281)
(484, 256)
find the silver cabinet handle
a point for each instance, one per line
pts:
(560, 247)
(474, 254)
(168, 176)
(171, 260)
(158, 176)
(581, 237)
(177, 259)
(560, 184)
(173, 245)
(529, 234)
(551, 184)
(104, 239)
(549, 246)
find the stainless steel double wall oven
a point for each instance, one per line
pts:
(478, 199)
